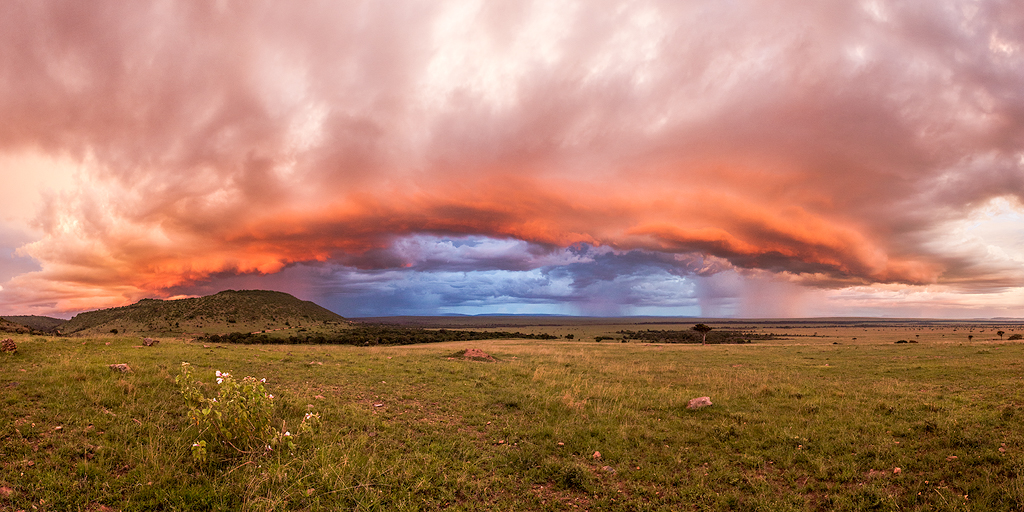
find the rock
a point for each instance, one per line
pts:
(475, 354)
(896, 471)
(951, 458)
(8, 345)
(698, 403)
(149, 342)
(120, 367)
(597, 455)
(608, 469)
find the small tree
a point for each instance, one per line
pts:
(970, 337)
(704, 330)
(1000, 333)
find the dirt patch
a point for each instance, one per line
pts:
(473, 354)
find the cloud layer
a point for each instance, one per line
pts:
(832, 146)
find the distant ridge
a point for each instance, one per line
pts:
(38, 323)
(9, 326)
(227, 311)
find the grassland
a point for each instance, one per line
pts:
(815, 420)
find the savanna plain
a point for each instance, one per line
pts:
(826, 415)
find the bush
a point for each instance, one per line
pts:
(1015, 337)
(239, 420)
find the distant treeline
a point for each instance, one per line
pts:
(373, 335)
(690, 336)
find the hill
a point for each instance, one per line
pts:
(227, 311)
(39, 323)
(8, 326)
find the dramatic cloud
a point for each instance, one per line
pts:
(653, 156)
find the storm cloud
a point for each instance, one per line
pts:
(590, 157)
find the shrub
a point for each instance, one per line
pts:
(238, 420)
(1015, 337)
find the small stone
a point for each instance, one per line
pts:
(319, 397)
(120, 367)
(698, 403)
(597, 455)
(951, 458)
(149, 342)
(608, 469)
(896, 471)
(561, 443)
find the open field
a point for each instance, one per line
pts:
(815, 420)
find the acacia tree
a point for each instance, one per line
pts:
(704, 330)
(1000, 333)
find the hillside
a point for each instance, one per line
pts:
(8, 326)
(39, 323)
(227, 311)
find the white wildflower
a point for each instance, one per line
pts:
(264, 379)
(270, 397)
(220, 380)
(287, 434)
(218, 373)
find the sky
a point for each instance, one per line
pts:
(735, 158)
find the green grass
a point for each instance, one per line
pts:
(802, 426)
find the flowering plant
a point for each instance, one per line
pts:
(239, 419)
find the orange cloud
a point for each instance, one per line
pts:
(822, 144)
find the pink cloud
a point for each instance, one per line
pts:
(822, 143)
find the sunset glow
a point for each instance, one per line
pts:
(751, 159)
